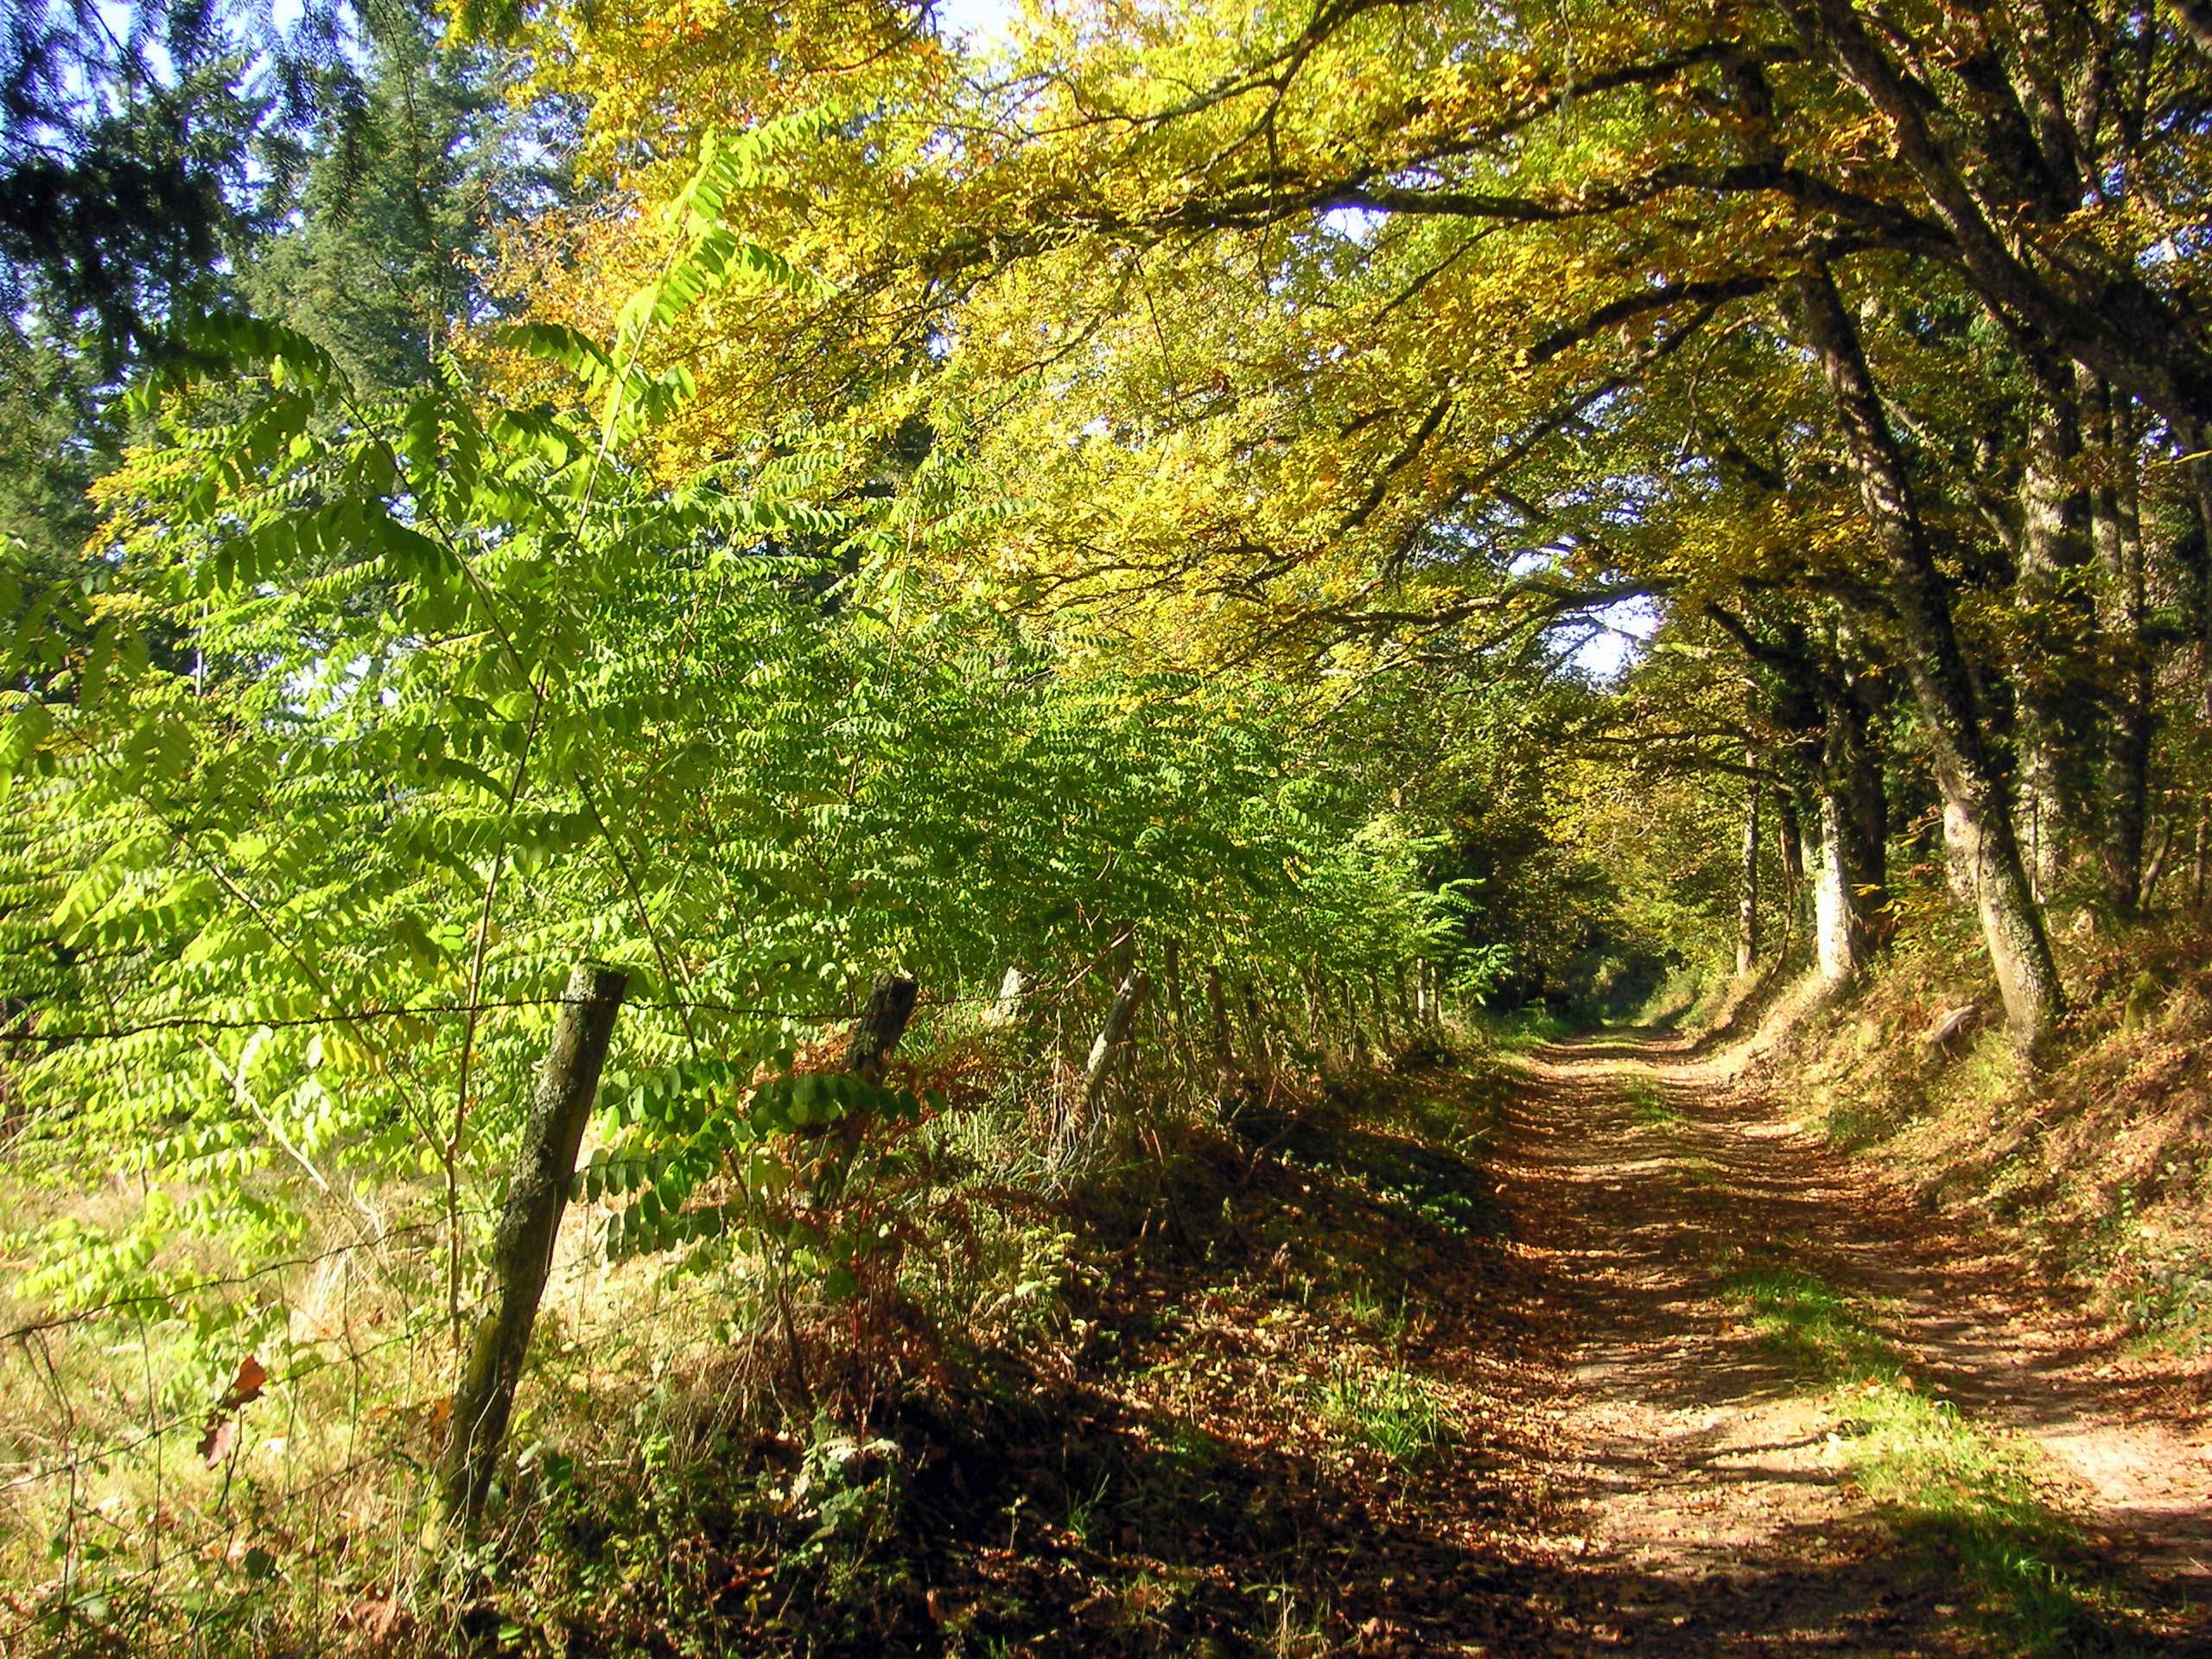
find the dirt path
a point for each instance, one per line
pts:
(1593, 1353)
(1712, 1464)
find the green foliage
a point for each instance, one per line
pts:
(393, 707)
(399, 202)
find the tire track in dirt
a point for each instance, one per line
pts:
(1704, 1490)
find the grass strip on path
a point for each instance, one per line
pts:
(1945, 1484)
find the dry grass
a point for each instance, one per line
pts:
(2098, 1168)
(661, 1392)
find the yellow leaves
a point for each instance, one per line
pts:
(1210, 400)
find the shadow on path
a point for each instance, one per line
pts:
(1709, 1475)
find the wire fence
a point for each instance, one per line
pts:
(117, 1511)
(187, 1501)
(45, 1035)
(136, 1458)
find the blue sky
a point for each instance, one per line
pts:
(979, 20)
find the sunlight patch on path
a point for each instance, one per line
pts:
(1724, 1471)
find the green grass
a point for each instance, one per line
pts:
(1527, 1028)
(1649, 1103)
(1818, 1330)
(1386, 1317)
(1387, 1410)
(1297, 1631)
(1946, 1484)
(1084, 1516)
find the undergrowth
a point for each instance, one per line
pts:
(1648, 1102)
(2098, 1165)
(1098, 1366)
(1531, 1026)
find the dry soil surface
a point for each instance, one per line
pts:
(1702, 1482)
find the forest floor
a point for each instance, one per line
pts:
(1591, 1351)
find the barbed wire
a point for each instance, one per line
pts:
(423, 1010)
(662, 1308)
(417, 1010)
(100, 1310)
(188, 1549)
(38, 1475)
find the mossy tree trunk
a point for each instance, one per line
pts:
(1976, 821)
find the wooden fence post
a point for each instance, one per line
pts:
(522, 1248)
(1224, 1056)
(883, 1022)
(877, 1031)
(1013, 992)
(1255, 1036)
(1120, 1014)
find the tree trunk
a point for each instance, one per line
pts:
(522, 1247)
(1178, 1016)
(1790, 837)
(2127, 335)
(1862, 817)
(1828, 705)
(1381, 1010)
(2154, 866)
(2200, 475)
(2116, 527)
(1977, 821)
(1225, 1055)
(1747, 903)
(2052, 542)
(1838, 942)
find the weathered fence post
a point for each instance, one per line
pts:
(1013, 991)
(877, 1031)
(883, 1022)
(522, 1248)
(1255, 1036)
(1217, 1005)
(1120, 1014)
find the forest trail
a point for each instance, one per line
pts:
(1749, 1328)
